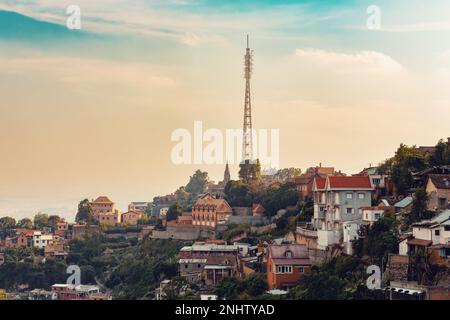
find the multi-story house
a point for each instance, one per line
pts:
(209, 211)
(438, 190)
(286, 263)
(41, 240)
(139, 206)
(131, 217)
(337, 209)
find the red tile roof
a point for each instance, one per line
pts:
(320, 183)
(103, 199)
(354, 182)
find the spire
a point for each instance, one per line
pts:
(226, 175)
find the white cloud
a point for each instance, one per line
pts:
(360, 62)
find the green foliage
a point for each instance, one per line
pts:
(84, 214)
(252, 286)
(341, 278)
(40, 220)
(406, 161)
(250, 172)
(419, 210)
(7, 224)
(274, 198)
(238, 194)
(141, 272)
(382, 239)
(174, 212)
(25, 223)
(235, 230)
(198, 184)
(286, 174)
(441, 155)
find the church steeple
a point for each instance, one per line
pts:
(226, 175)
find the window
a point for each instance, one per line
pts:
(288, 254)
(361, 196)
(447, 228)
(185, 266)
(376, 181)
(301, 269)
(349, 210)
(437, 232)
(377, 216)
(349, 195)
(284, 269)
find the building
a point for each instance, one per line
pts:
(305, 181)
(139, 206)
(101, 205)
(438, 190)
(62, 228)
(104, 211)
(371, 214)
(203, 250)
(131, 217)
(22, 238)
(209, 212)
(41, 240)
(337, 209)
(219, 267)
(109, 218)
(55, 251)
(218, 189)
(286, 263)
(72, 292)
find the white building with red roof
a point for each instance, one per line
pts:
(338, 201)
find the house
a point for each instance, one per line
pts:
(209, 211)
(109, 218)
(131, 217)
(55, 250)
(191, 269)
(218, 268)
(139, 206)
(337, 209)
(41, 240)
(286, 264)
(101, 205)
(23, 238)
(258, 209)
(305, 181)
(72, 292)
(104, 211)
(62, 228)
(371, 214)
(438, 190)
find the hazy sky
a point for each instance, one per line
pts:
(91, 113)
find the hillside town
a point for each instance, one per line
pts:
(289, 234)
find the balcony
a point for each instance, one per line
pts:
(306, 232)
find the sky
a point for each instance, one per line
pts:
(90, 112)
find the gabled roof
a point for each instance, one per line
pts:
(298, 254)
(404, 202)
(103, 199)
(441, 181)
(319, 184)
(349, 183)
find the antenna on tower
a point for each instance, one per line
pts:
(247, 143)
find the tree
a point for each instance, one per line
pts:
(53, 220)
(406, 161)
(40, 220)
(287, 173)
(84, 214)
(382, 239)
(250, 172)
(198, 183)
(441, 155)
(25, 223)
(419, 210)
(237, 194)
(174, 212)
(7, 224)
(276, 198)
